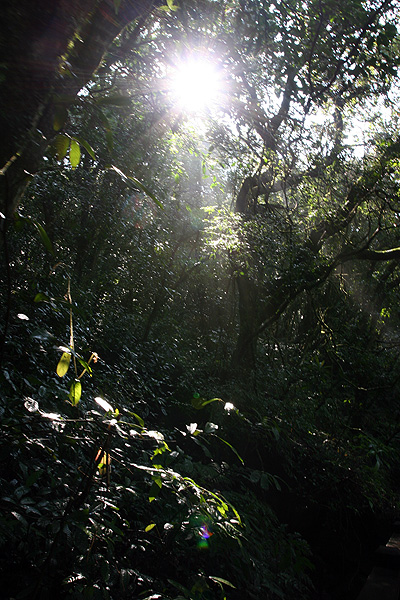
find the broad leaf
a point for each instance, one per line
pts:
(61, 145)
(63, 364)
(74, 154)
(75, 392)
(87, 146)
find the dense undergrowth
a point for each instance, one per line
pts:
(199, 351)
(169, 479)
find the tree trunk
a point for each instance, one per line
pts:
(244, 354)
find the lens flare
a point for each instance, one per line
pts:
(205, 535)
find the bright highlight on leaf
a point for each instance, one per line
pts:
(104, 404)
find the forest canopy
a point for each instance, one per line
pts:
(199, 340)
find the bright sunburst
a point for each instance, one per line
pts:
(196, 85)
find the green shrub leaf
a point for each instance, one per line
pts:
(74, 154)
(75, 392)
(63, 364)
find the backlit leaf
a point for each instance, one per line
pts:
(150, 527)
(40, 297)
(63, 364)
(220, 580)
(84, 364)
(42, 232)
(232, 448)
(75, 392)
(45, 238)
(87, 147)
(74, 154)
(139, 419)
(61, 145)
(199, 403)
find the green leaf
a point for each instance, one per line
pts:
(150, 527)
(117, 4)
(63, 364)
(19, 222)
(42, 232)
(171, 6)
(45, 238)
(87, 146)
(137, 184)
(199, 403)
(33, 477)
(40, 297)
(61, 145)
(222, 510)
(220, 580)
(74, 154)
(84, 364)
(154, 490)
(139, 419)
(158, 481)
(232, 448)
(75, 392)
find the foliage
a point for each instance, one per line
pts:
(199, 358)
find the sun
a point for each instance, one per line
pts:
(196, 85)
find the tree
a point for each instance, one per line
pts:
(174, 470)
(49, 53)
(320, 57)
